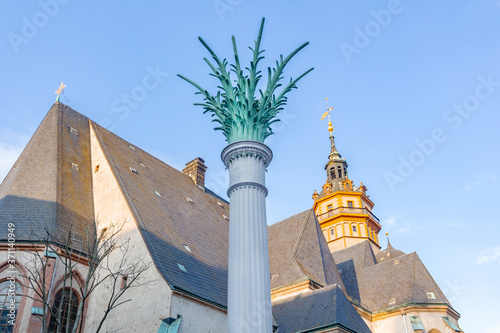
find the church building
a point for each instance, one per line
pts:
(74, 177)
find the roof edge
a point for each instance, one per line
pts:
(199, 298)
(133, 210)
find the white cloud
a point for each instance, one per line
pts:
(8, 155)
(11, 146)
(491, 254)
(391, 222)
(481, 181)
(395, 225)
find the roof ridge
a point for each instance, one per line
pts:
(297, 242)
(318, 233)
(414, 278)
(289, 217)
(430, 276)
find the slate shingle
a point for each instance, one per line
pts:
(325, 307)
(388, 284)
(43, 191)
(298, 250)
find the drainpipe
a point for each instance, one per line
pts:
(404, 320)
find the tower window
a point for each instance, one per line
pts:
(329, 207)
(332, 232)
(340, 171)
(332, 173)
(350, 204)
(354, 229)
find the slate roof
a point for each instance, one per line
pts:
(299, 250)
(388, 254)
(49, 188)
(169, 221)
(322, 308)
(392, 283)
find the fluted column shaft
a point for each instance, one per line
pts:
(249, 287)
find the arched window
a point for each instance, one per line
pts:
(65, 303)
(340, 171)
(10, 293)
(332, 173)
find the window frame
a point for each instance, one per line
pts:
(11, 328)
(54, 308)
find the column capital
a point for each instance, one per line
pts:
(244, 148)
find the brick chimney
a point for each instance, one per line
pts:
(196, 170)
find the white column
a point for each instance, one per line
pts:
(249, 286)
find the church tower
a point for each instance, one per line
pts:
(343, 210)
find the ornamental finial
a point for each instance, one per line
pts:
(59, 91)
(327, 113)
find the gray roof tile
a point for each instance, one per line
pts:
(43, 192)
(169, 221)
(384, 285)
(325, 307)
(299, 250)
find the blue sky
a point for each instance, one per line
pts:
(415, 88)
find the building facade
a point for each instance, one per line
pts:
(79, 180)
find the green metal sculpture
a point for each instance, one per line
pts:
(242, 115)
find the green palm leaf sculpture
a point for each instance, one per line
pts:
(243, 113)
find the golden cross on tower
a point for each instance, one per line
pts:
(59, 91)
(327, 113)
